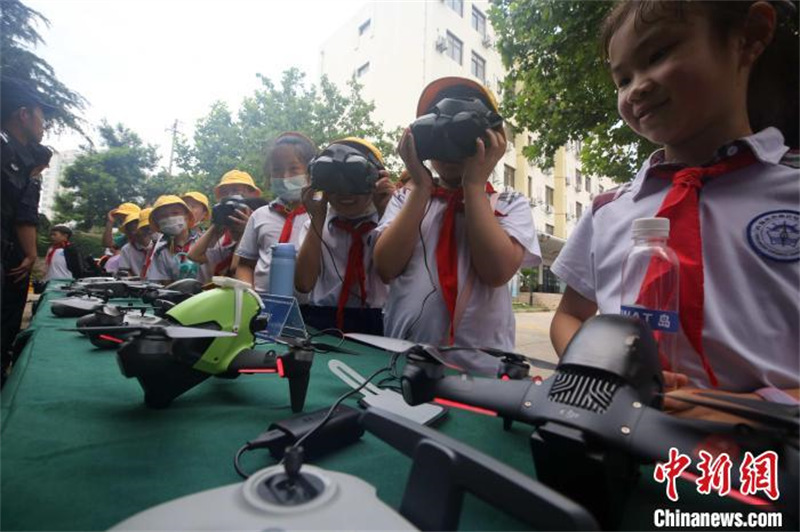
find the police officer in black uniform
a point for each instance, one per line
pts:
(22, 116)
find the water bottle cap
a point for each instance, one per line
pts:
(656, 227)
(283, 250)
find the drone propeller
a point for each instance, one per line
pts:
(755, 410)
(173, 331)
(464, 359)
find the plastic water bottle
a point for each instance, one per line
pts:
(281, 271)
(651, 285)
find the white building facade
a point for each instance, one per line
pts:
(51, 180)
(394, 49)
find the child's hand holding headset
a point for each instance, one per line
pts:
(478, 168)
(317, 209)
(407, 150)
(384, 188)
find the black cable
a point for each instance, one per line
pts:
(243, 449)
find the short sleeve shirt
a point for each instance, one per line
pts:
(264, 229)
(749, 224)
(335, 251)
(132, 258)
(415, 309)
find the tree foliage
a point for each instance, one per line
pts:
(323, 113)
(558, 85)
(18, 35)
(101, 179)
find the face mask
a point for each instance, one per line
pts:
(289, 188)
(173, 225)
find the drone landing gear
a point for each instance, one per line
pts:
(599, 480)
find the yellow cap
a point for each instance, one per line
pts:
(126, 209)
(132, 217)
(201, 198)
(164, 201)
(430, 94)
(144, 217)
(236, 177)
(359, 144)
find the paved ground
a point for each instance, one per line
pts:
(533, 336)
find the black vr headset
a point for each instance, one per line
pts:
(449, 131)
(227, 207)
(344, 170)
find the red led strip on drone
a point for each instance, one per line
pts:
(463, 406)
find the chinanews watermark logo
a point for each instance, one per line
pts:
(758, 485)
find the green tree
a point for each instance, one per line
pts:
(18, 35)
(558, 85)
(101, 179)
(221, 143)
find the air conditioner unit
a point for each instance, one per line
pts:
(569, 181)
(548, 209)
(441, 44)
(592, 195)
(486, 42)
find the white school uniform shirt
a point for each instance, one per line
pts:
(132, 258)
(750, 228)
(214, 255)
(262, 230)
(488, 319)
(58, 267)
(335, 250)
(164, 265)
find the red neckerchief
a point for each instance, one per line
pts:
(49, 258)
(681, 206)
(447, 249)
(224, 265)
(286, 232)
(355, 263)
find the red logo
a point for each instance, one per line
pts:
(668, 472)
(760, 474)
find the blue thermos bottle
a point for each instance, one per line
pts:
(281, 272)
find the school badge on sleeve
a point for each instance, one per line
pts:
(776, 235)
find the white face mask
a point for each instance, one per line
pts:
(172, 225)
(289, 189)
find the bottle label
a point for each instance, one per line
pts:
(657, 320)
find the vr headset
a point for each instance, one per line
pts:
(227, 206)
(344, 170)
(448, 133)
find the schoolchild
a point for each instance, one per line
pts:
(214, 250)
(62, 259)
(335, 265)
(282, 220)
(683, 72)
(134, 253)
(448, 246)
(170, 259)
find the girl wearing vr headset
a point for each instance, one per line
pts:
(449, 246)
(282, 220)
(344, 289)
(715, 84)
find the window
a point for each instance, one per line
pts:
(508, 176)
(588, 184)
(578, 180)
(548, 196)
(478, 67)
(363, 69)
(578, 210)
(478, 21)
(456, 5)
(549, 229)
(364, 28)
(454, 48)
(530, 187)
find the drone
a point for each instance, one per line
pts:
(598, 418)
(209, 334)
(85, 298)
